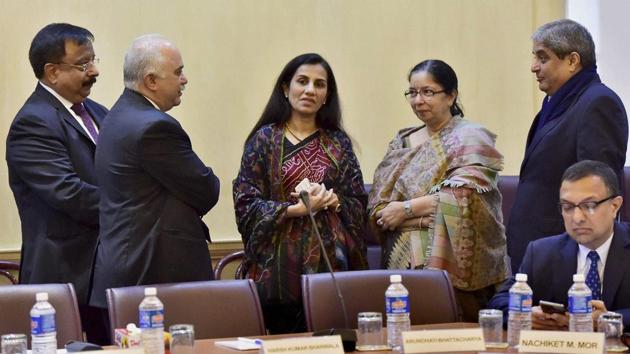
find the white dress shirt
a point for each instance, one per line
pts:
(68, 104)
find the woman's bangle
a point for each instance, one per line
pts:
(420, 223)
(338, 208)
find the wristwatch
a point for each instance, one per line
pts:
(408, 211)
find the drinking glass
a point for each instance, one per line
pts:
(491, 323)
(611, 324)
(14, 344)
(370, 331)
(182, 339)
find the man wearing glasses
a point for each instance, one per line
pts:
(50, 156)
(594, 245)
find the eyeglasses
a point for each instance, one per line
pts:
(83, 67)
(585, 207)
(426, 93)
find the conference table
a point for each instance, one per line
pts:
(205, 346)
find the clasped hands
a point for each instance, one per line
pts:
(559, 321)
(320, 199)
(394, 216)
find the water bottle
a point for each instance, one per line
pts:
(580, 317)
(397, 308)
(520, 309)
(151, 321)
(43, 330)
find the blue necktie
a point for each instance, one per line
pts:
(592, 277)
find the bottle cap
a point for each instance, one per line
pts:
(132, 328)
(41, 296)
(150, 291)
(521, 277)
(395, 278)
(578, 278)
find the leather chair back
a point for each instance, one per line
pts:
(431, 296)
(217, 309)
(16, 302)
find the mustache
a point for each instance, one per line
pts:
(90, 82)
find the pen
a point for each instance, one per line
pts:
(250, 340)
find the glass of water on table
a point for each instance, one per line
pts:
(491, 323)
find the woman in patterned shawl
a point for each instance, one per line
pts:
(299, 136)
(434, 202)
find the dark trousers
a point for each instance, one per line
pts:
(284, 319)
(95, 323)
(470, 302)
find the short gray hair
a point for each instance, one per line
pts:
(566, 36)
(142, 58)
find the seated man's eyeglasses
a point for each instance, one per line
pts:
(82, 67)
(585, 207)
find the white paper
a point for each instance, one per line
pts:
(237, 344)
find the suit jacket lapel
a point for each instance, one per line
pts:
(538, 137)
(565, 268)
(62, 111)
(617, 263)
(95, 117)
(534, 139)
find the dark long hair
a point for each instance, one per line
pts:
(278, 108)
(444, 75)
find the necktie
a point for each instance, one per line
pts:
(592, 277)
(87, 121)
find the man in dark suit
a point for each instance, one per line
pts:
(594, 245)
(154, 188)
(50, 157)
(580, 119)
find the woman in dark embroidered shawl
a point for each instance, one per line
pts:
(434, 202)
(298, 136)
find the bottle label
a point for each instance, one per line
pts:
(521, 302)
(397, 304)
(151, 318)
(580, 304)
(43, 324)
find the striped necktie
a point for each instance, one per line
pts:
(87, 120)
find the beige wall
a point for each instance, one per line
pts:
(234, 50)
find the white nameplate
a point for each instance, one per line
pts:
(304, 345)
(561, 342)
(444, 340)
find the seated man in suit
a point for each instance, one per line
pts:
(594, 245)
